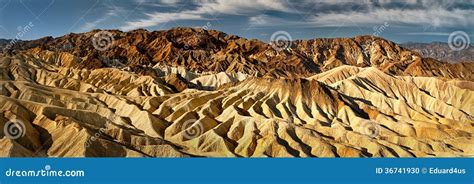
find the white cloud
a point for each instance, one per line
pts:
(204, 8)
(241, 6)
(170, 2)
(436, 17)
(427, 34)
(368, 13)
(111, 11)
(165, 2)
(154, 19)
(87, 26)
(319, 13)
(268, 20)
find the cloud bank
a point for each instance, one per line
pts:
(320, 13)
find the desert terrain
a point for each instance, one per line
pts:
(189, 92)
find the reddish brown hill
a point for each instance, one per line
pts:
(202, 50)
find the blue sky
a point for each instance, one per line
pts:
(399, 21)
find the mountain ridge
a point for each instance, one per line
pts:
(203, 50)
(442, 51)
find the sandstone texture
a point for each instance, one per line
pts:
(190, 92)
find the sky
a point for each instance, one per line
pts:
(399, 21)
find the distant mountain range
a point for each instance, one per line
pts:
(436, 50)
(200, 50)
(441, 51)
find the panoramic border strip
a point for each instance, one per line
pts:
(241, 170)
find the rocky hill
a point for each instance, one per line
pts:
(200, 50)
(442, 51)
